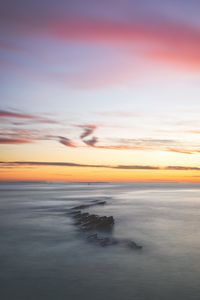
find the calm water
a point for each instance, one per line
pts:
(44, 256)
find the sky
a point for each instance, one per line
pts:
(100, 90)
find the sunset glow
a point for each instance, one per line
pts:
(100, 91)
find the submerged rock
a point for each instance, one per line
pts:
(106, 241)
(83, 206)
(110, 241)
(132, 245)
(92, 237)
(73, 212)
(91, 222)
(101, 241)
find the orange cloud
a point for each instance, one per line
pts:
(184, 151)
(195, 131)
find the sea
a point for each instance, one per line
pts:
(44, 255)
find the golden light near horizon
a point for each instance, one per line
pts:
(88, 174)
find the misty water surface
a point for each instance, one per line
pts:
(44, 256)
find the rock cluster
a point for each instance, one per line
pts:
(93, 222)
(97, 225)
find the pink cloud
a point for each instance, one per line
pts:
(67, 142)
(175, 44)
(166, 41)
(14, 141)
(18, 115)
(92, 142)
(88, 129)
(10, 114)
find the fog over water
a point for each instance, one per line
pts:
(44, 255)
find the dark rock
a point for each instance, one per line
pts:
(91, 222)
(77, 216)
(96, 222)
(80, 218)
(84, 215)
(105, 222)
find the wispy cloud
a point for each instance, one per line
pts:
(23, 136)
(42, 163)
(14, 141)
(121, 167)
(88, 129)
(18, 136)
(66, 142)
(11, 114)
(182, 168)
(175, 42)
(92, 142)
(172, 42)
(14, 131)
(169, 41)
(118, 114)
(195, 131)
(184, 151)
(120, 147)
(136, 167)
(25, 116)
(148, 144)
(165, 39)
